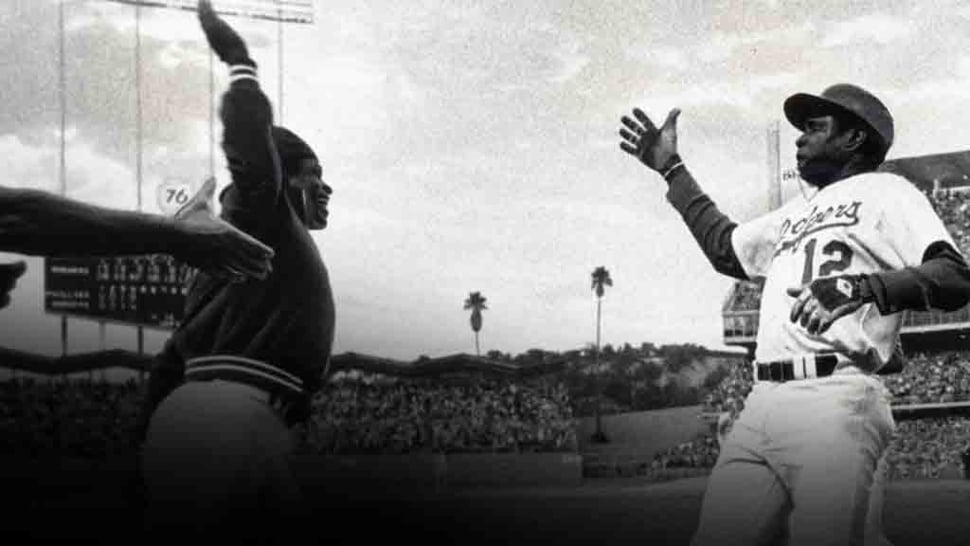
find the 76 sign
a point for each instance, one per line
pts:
(173, 194)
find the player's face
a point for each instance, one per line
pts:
(821, 155)
(314, 194)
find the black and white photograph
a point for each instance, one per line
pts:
(479, 271)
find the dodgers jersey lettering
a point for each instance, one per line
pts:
(867, 223)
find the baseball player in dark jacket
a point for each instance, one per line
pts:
(247, 357)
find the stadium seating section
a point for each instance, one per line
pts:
(83, 418)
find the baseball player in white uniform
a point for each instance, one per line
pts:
(839, 267)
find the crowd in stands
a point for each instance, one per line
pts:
(746, 296)
(928, 448)
(75, 418)
(954, 209)
(357, 416)
(701, 452)
(931, 379)
(85, 418)
(728, 396)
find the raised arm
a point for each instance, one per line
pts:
(657, 149)
(247, 119)
(37, 223)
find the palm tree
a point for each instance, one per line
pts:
(476, 302)
(601, 279)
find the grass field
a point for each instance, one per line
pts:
(625, 511)
(92, 508)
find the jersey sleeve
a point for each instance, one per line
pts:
(755, 241)
(910, 225)
(252, 158)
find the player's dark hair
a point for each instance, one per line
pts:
(292, 150)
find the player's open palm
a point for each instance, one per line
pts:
(643, 140)
(222, 248)
(823, 301)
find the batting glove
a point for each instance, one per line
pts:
(834, 292)
(826, 300)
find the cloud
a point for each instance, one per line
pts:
(572, 62)
(26, 166)
(661, 56)
(942, 89)
(723, 49)
(747, 94)
(876, 28)
(101, 102)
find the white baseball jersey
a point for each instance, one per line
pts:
(864, 224)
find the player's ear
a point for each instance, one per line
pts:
(854, 139)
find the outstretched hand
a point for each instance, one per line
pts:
(9, 273)
(224, 41)
(653, 147)
(216, 245)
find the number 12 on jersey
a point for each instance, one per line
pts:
(839, 258)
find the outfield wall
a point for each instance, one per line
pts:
(432, 469)
(643, 433)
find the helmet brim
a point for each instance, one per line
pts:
(801, 107)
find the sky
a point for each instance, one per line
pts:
(472, 145)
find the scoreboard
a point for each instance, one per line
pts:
(145, 290)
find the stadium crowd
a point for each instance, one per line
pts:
(360, 416)
(746, 296)
(85, 418)
(729, 394)
(373, 414)
(74, 418)
(932, 379)
(953, 208)
(926, 448)
(700, 452)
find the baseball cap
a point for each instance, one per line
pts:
(843, 98)
(291, 148)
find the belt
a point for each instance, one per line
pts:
(805, 367)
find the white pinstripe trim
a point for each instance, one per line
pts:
(234, 79)
(231, 367)
(242, 68)
(244, 360)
